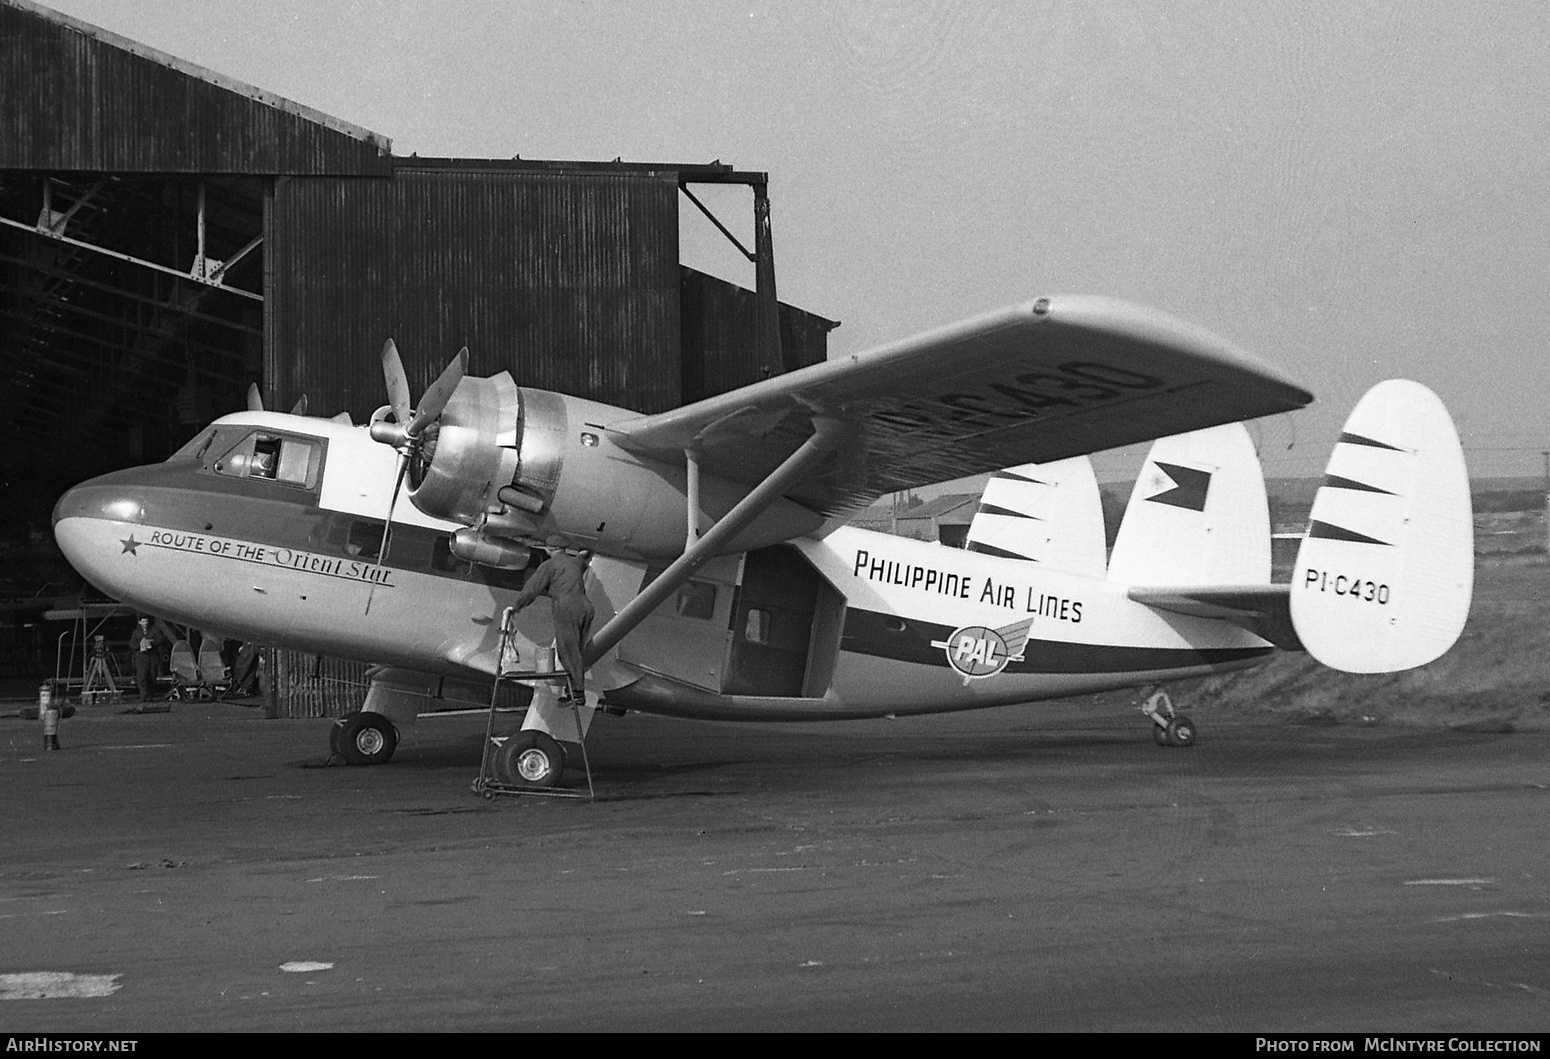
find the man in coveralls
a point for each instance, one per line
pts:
(562, 577)
(145, 650)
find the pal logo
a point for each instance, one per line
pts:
(977, 651)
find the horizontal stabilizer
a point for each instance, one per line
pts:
(1261, 609)
(1384, 578)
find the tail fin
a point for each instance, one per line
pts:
(1383, 580)
(1198, 514)
(1049, 513)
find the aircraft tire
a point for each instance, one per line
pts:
(530, 759)
(1181, 731)
(1159, 734)
(365, 739)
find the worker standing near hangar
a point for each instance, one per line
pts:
(145, 651)
(562, 577)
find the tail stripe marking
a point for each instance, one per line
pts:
(1013, 476)
(992, 509)
(1356, 439)
(1334, 481)
(1327, 531)
(991, 549)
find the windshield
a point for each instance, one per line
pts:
(275, 457)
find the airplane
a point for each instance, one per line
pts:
(726, 582)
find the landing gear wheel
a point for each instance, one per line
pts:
(364, 739)
(1159, 734)
(530, 759)
(1181, 731)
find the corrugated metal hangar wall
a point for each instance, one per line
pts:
(568, 280)
(168, 235)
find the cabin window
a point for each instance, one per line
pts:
(442, 558)
(756, 626)
(365, 540)
(696, 599)
(277, 457)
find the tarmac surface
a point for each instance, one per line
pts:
(1029, 868)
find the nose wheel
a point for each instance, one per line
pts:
(1169, 727)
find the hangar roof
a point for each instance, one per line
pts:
(80, 98)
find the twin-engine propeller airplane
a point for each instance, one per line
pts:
(727, 586)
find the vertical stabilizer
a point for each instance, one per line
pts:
(1197, 515)
(1384, 578)
(1049, 513)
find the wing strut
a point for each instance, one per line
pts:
(824, 440)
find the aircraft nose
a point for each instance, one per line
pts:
(99, 498)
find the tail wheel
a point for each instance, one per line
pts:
(365, 739)
(1181, 731)
(530, 759)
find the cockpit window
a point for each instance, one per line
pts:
(277, 457)
(203, 444)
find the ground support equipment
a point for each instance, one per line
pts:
(530, 761)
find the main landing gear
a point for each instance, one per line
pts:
(363, 738)
(1168, 727)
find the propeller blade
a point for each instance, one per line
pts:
(440, 392)
(255, 399)
(397, 382)
(300, 407)
(387, 527)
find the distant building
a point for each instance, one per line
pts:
(944, 519)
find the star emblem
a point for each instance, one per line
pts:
(130, 545)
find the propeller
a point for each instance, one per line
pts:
(407, 431)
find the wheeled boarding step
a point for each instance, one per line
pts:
(530, 761)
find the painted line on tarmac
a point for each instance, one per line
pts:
(1450, 882)
(1491, 915)
(53, 985)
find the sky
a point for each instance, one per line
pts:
(1351, 191)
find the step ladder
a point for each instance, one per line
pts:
(496, 778)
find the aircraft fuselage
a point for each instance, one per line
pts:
(853, 624)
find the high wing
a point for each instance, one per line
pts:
(1039, 381)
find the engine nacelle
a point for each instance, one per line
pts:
(470, 452)
(531, 467)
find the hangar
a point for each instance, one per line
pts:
(169, 236)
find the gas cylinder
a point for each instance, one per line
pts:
(48, 713)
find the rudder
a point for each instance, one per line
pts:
(1198, 514)
(1047, 513)
(1383, 580)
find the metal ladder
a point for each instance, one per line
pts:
(488, 784)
